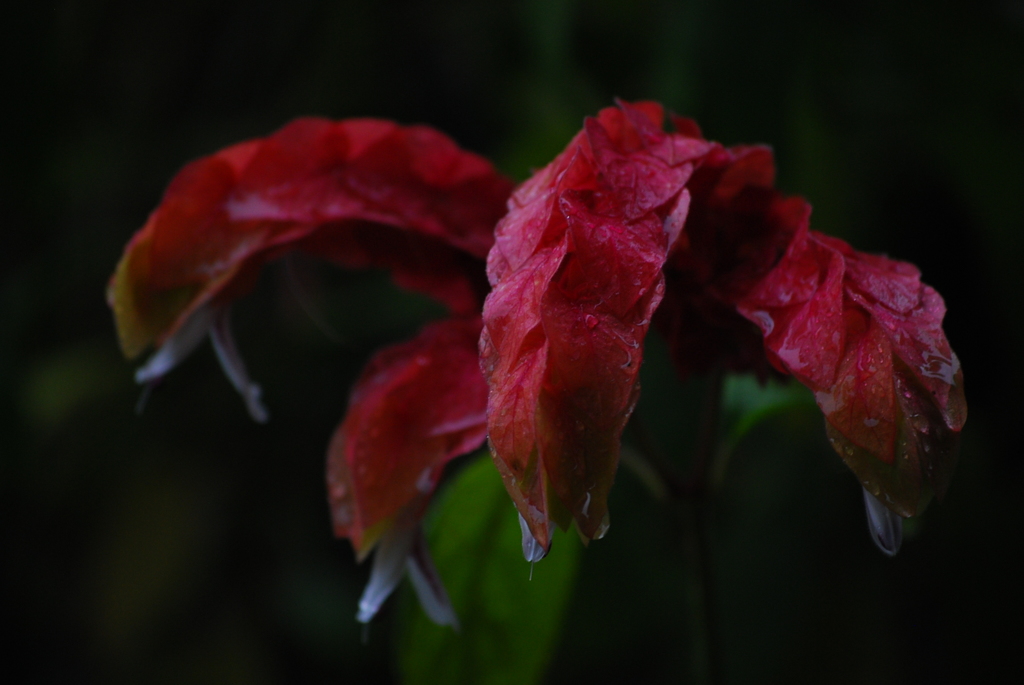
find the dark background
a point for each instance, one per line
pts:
(190, 545)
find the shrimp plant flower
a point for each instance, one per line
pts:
(630, 227)
(359, 193)
(551, 289)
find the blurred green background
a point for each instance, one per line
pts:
(190, 545)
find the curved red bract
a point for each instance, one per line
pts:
(577, 274)
(737, 229)
(866, 336)
(629, 224)
(416, 406)
(362, 192)
(628, 217)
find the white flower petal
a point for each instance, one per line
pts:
(532, 550)
(885, 527)
(388, 565)
(233, 365)
(177, 347)
(428, 585)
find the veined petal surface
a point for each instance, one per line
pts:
(576, 272)
(417, 405)
(866, 336)
(362, 192)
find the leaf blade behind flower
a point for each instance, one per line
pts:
(510, 623)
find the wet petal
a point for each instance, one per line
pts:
(737, 229)
(417, 405)
(361, 193)
(576, 271)
(866, 336)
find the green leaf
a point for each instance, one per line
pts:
(746, 403)
(510, 623)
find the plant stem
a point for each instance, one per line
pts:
(649, 459)
(704, 611)
(707, 436)
(690, 494)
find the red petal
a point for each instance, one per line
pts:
(576, 270)
(737, 229)
(363, 192)
(860, 330)
(416, 406)
(799, 307)
(866, 335)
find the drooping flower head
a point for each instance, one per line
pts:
(360, 193)
(865, 335)
(576, 272)
(629, 215)
(859, 330)
(629, 225)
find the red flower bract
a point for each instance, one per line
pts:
(577, 273)
(737, 229)
(417, 405)
(628, 224)
(749, 288)
(865, 335)
(360, 193)
(628, 215)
